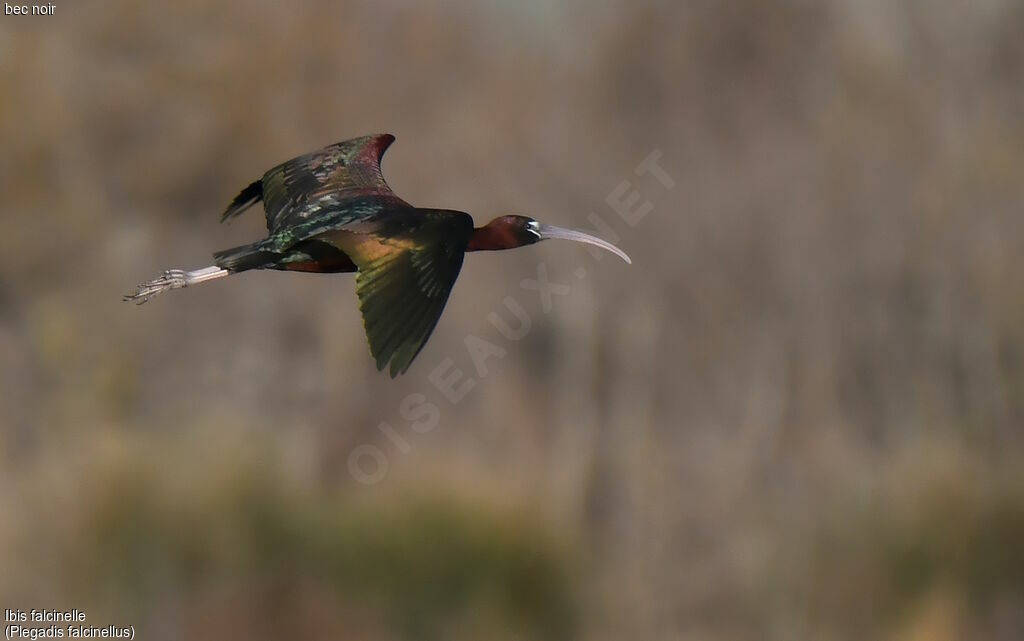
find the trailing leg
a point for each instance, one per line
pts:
(175, 279)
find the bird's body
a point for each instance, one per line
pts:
(331, 211)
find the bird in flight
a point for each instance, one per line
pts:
(331, 211)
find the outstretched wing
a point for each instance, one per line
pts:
(332, 178)
(404, 282)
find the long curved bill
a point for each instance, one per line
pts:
(550, 231)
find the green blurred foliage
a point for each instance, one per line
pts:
(233, 543)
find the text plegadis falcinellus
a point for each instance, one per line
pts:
(331, 211)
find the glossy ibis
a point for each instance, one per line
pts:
(331, 211)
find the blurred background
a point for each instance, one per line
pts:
(797, 415)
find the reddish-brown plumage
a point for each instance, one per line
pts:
(504, 232)
(320, 267)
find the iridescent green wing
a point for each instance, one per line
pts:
(403, 283)
(320, 183)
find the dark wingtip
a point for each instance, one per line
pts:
(392, 365)
(244, 200)
(398, 369)
(379, 144)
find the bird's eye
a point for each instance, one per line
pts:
(534, 228)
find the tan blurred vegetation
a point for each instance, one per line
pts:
(797, 415)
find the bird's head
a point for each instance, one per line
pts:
(507, 232)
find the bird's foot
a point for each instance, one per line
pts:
(170, 279)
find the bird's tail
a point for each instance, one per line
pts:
(239, 259)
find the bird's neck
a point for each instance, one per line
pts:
(492, 237)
